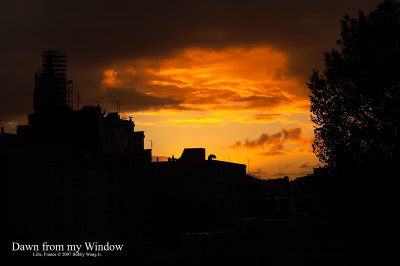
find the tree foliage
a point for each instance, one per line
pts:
(355, 101)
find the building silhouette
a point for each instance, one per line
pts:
(193, 194)
(75, 175)
(51, 92)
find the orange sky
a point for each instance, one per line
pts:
(241, 104)
(228, 76)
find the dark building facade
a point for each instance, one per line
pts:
(51, 91)
(195, 194)
(75, 175)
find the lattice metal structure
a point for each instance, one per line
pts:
(51, 86)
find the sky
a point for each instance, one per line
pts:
(228, 76)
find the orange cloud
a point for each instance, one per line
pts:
(210, 98)
(235, 78)
(265, 117)
(110, 78)
(229, 79)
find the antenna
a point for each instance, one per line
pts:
(78, 99)
(118, 107)
(257, 174)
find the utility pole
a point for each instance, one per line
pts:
(78, 99)
(118, 107)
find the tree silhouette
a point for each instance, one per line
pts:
(355, 101)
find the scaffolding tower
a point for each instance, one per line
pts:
(52, 90)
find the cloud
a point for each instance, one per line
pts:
(135, 29)
(276, 150)
(194, 122)
(309, 166)
(264, 139)
(204, 79)
(277, 143)
(277, 139)
(293, 133)
(306, 165)
(265, 117)
(265, 101)
(110, 34)
(111, 78)
(133, 100)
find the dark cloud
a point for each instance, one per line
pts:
(265, 101)
(293, 133)
(306, 165)
(97, 34)
(215, 96)
(275, 141)
(133, 100)
(264, 139)
(309, 166)
(275, 144)
(105, 31)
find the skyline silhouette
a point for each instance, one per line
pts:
(88, 177)
(247, 188)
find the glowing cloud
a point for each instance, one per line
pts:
(211, 98)
(235, 78)
(110, 78)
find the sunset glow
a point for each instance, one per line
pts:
(195, 74)
(241, 104)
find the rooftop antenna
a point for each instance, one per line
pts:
(78, 99)
(118, 107)
(257, 174)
